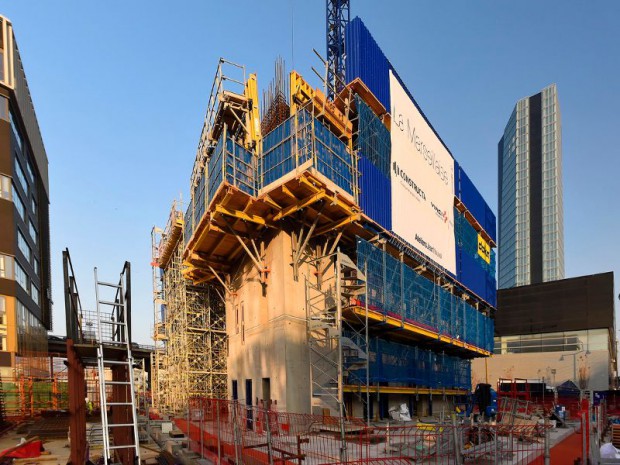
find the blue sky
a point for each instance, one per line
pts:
(120, 89)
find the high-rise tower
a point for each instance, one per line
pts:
(531, 222)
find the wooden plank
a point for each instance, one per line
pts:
(300, 204)
(241, 215)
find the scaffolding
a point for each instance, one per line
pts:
(190, 331)
(336, 346)
(159, 378)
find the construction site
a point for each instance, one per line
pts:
(318, 298)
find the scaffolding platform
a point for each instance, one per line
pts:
(399, 329)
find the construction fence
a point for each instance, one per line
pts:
(232, 432)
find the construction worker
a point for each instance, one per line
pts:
(89, 406)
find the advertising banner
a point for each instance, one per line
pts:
(422, 179)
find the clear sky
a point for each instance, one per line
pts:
(120, 89)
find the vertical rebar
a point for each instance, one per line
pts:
(269, 445)
(202, 410)
(338, 276)
(367, 345)
(495, 448)
(457, 445)
(547, 445)
(219, 443)
(584, 432)
(236, 433)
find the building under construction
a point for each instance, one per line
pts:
(190, 330)
(333, 257)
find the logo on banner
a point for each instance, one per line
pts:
(484, 249)
(440, 213)
(410, 182)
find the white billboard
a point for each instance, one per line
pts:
(422, 179)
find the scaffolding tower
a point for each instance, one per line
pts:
(190, 331)
(332, 352)
(159, 378)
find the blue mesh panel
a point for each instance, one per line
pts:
(396, 289)
(373, 139)
(407, 365)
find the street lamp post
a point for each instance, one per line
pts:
(574, 354)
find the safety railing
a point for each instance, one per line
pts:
(232, 164)
(398, 290)
(303, 139)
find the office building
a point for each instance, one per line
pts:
(25, 305)
(531, 224)
(555, 332)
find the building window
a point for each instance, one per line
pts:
(33, 231)
(35, 264)
(237, 319)
(6, 266)
(19, 171)
(22, 243)
(31, 333)
(4, 107)
(21, 277)
(5, 188)
(3, 322)
(29, 170)
(19, 206)
(16, 132)
(34, 293)
(33, 204)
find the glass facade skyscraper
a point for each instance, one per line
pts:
(531, 221)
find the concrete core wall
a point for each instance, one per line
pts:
(266, 327)
(268, 351)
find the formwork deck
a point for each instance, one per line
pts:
(233, 216)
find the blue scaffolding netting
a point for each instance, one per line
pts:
(397, 290)
(405, 365)
(302, 138)
(373, 138)
(467, 240)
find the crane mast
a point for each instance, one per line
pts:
(338, 16)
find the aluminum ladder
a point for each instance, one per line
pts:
(113, 330)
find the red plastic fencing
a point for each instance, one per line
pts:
(225, 432)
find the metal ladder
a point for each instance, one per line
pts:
(112, 315)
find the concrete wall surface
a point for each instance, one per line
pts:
(266, 327)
